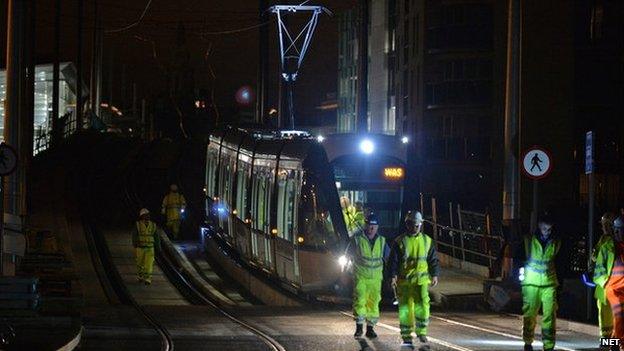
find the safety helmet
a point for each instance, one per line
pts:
(143, 212)
(414, 216)
(173, 187)
(372, 219)
(618, 223)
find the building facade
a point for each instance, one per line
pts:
(449, 87)
(445, 71)
(381, 115)
(43, 96)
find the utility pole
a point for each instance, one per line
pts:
(15, 110)
(512, 116)
(27, 124)
(94, 62)
(79, 101)
(362, 75)
(54, 135)
(263, 58)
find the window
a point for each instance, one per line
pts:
(261, 199)
(286, 200)
(212, 161)
(242, 182)
(225, 180)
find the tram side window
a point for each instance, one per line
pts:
(286, 200)
(211, 171)
(261, 194)
(241, 191)
(315, 216)
(225, 181)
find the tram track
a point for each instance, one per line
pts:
(187, 287)
(112, 275)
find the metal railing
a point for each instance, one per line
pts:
(468, 246)
(44, 138)
(467, 236)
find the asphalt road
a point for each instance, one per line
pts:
(202, 328)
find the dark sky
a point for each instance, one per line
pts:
(233, 57)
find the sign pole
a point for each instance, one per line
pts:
(534, 213)
(589, 170)
(536, 164)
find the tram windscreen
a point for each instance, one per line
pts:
(368, 185)
(319, 229)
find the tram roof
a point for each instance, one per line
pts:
(269, 141)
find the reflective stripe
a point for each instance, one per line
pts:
(541, 270)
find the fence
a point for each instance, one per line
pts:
(465, 235)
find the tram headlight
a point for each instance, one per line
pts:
(521, 274)
(405, 140)
(367, 146)
(320, 138)
(344, 262)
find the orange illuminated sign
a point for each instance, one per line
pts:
(394, 173)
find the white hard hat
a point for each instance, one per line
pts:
(414, 216)
(143, 212)
(173, 187)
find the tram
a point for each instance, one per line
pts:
(271, 196)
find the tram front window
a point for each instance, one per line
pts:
(363, 188)
(318, 222)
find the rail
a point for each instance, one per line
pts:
(111, 274)
(193, 293)
(467, 236)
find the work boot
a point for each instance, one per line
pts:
(407, 344)
(424, 343)
(370, 332)
(528, 347)
(359, 330)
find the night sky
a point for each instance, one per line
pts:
(232, 57)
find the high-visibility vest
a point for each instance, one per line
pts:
(415, 249)
(146, 233)
(604, 261)
(539, 269)
(173, 204)
(368, 260)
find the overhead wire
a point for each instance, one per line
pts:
(131, 25)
